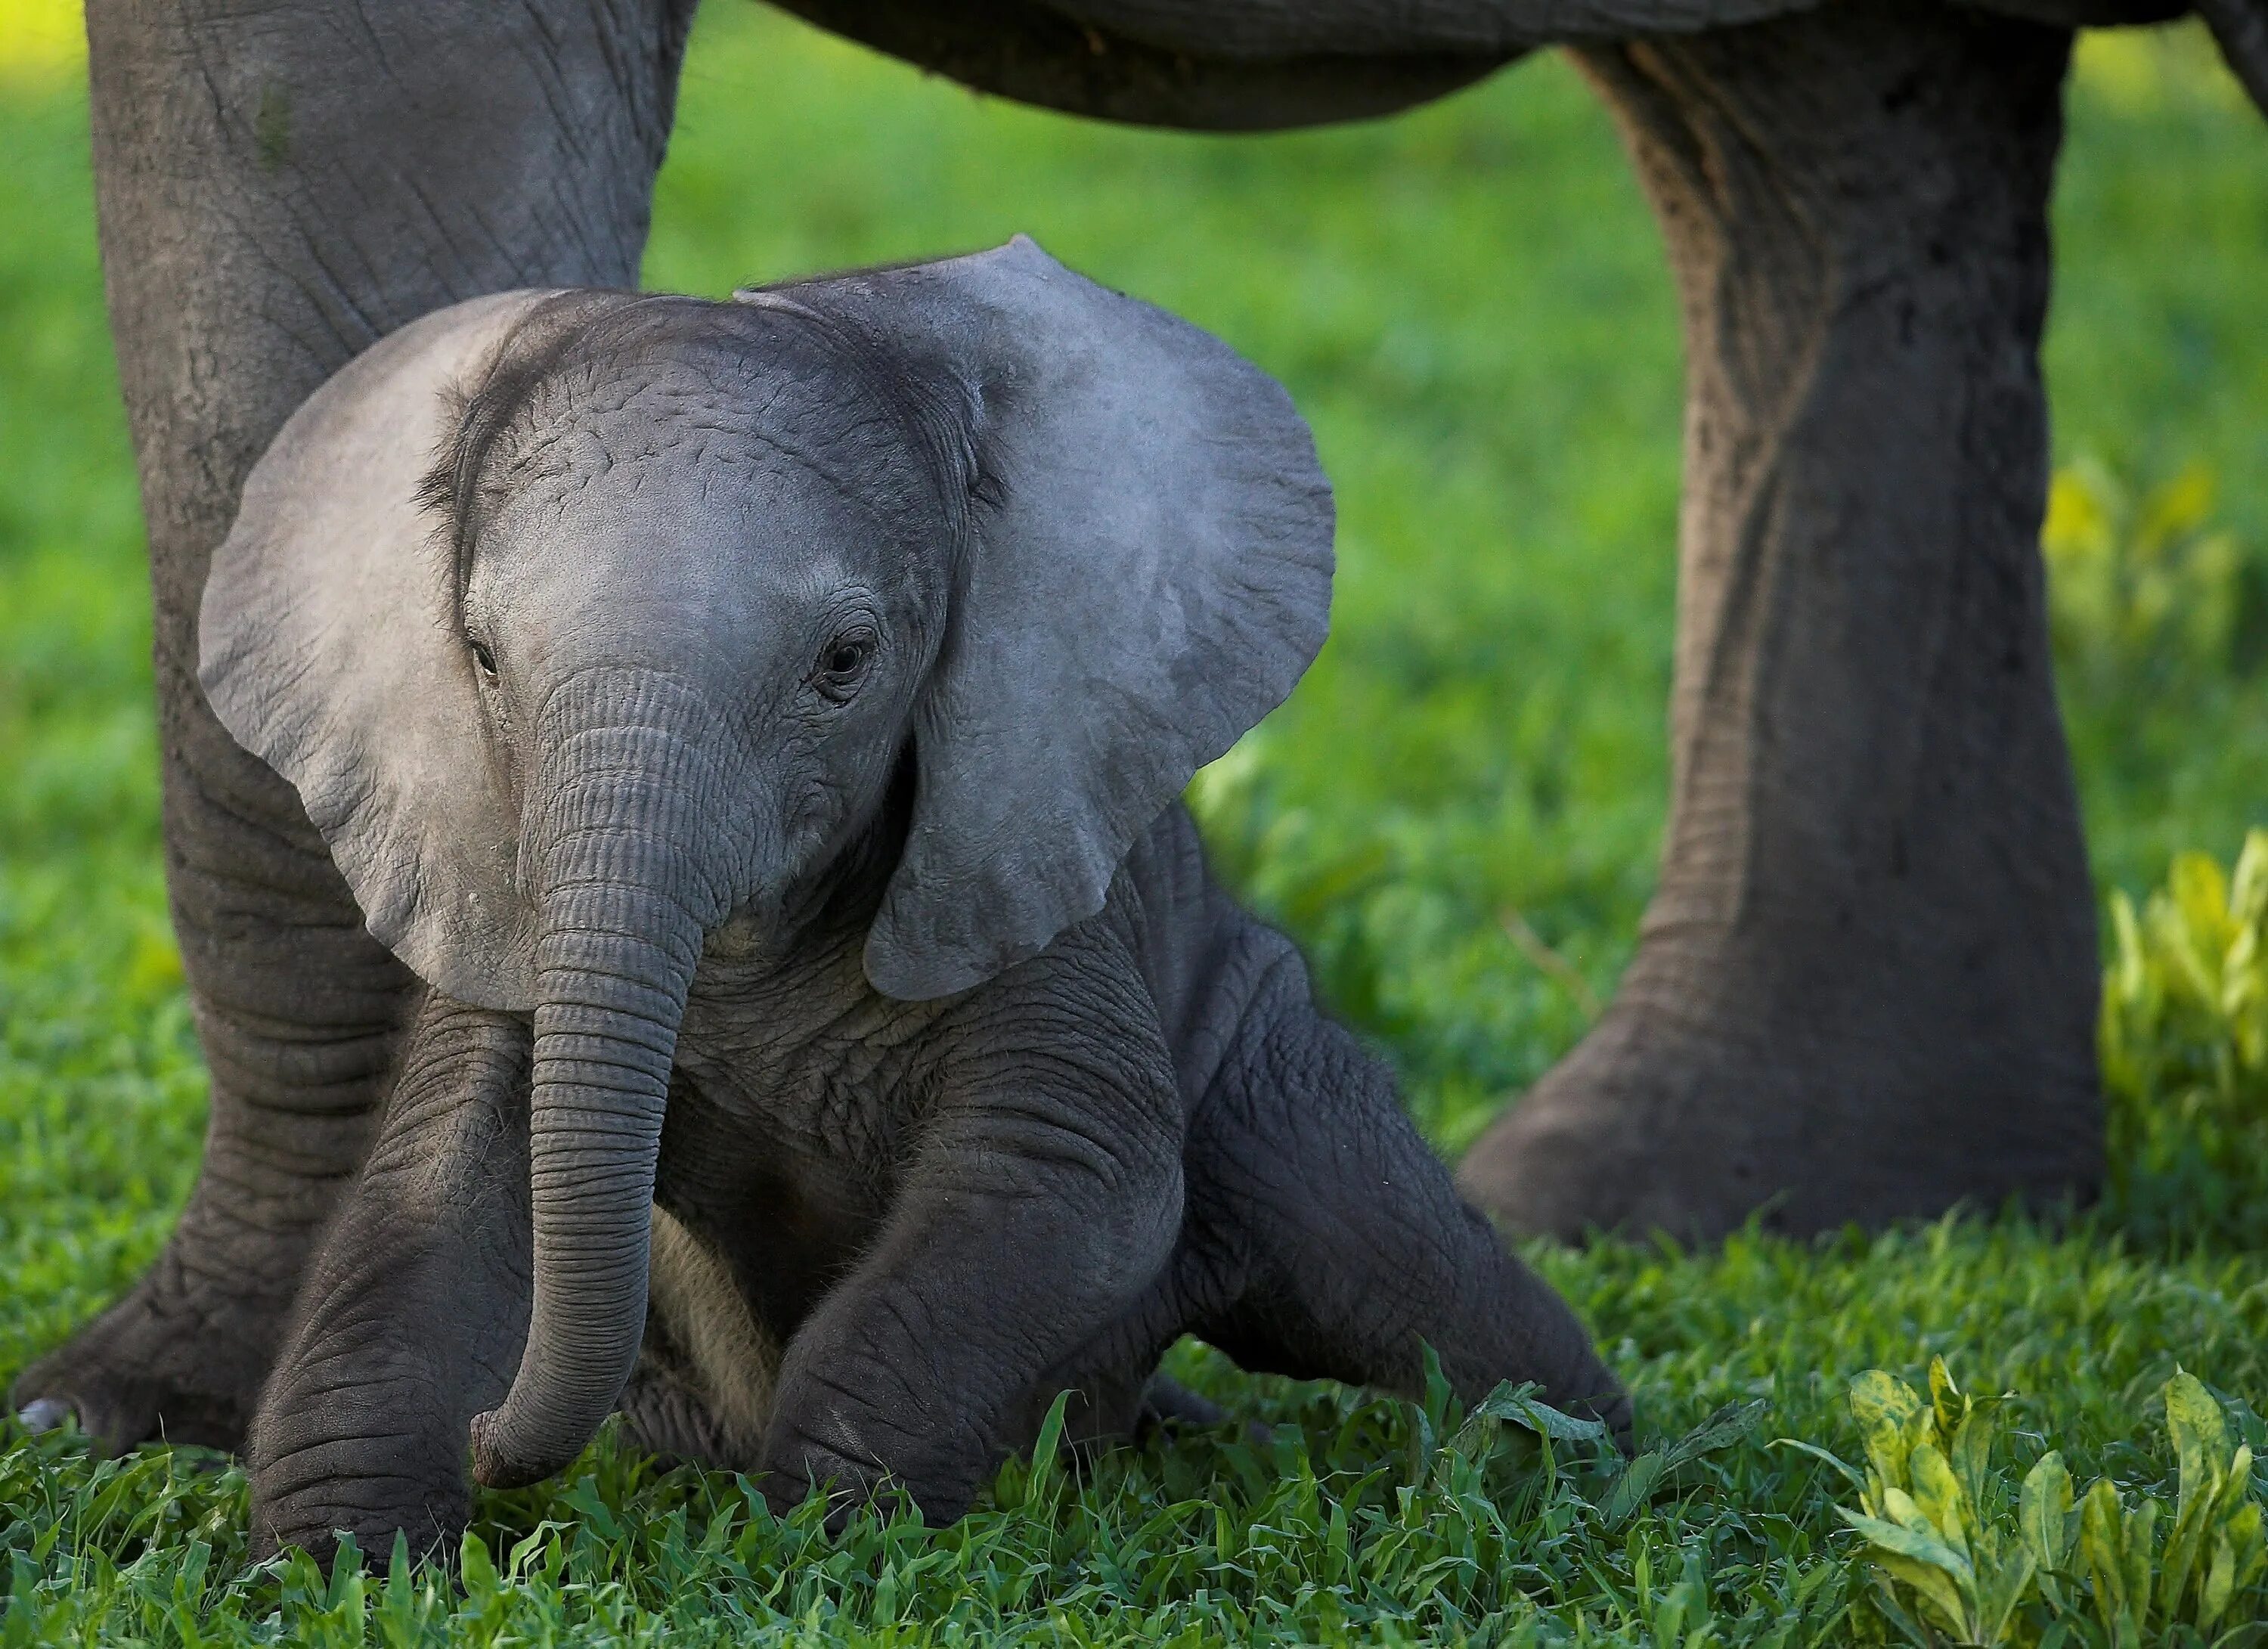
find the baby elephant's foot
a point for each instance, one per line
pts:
(1168, 1406)
(337, 1493)
(866, 1452)
(860, 1460)
(797, 1466)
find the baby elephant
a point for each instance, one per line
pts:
(760, 723)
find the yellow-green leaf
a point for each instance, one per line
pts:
(1945, 1400)
(1938, 1594)
(2142, 1524)
(2102, 1542)
(2236, 1482)
(2219, 1585)
(1999, 1594)
(1920, 1543)
(1887, 1411)
(1971, 1454)
(1937, 1493)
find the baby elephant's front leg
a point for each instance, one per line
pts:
(1044, 1199)
(411, 1319)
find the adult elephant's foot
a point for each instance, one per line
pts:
(183, 1354)
(1689, 1115)
(1867, 986)
(170, 1358)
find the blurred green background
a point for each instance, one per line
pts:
(1470, 303)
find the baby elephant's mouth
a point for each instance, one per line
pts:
(745, 936)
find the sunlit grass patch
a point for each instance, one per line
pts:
(41, 41)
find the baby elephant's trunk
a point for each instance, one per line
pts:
(624, 909)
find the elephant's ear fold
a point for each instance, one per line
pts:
(327, 647)
(1145, 572)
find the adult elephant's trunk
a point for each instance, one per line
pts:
(625, 906)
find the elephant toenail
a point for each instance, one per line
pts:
(45, 1413)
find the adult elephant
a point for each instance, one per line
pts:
(1866, 985)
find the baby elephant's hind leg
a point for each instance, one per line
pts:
(1338, 1241)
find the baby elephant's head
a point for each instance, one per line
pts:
(583, 621)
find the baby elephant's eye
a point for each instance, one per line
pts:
(842, 661)
(482, 657)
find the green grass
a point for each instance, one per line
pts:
(1471, 306)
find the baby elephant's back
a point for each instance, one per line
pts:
(1206, 958)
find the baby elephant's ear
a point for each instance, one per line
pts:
(1145, 573)
(329, 648)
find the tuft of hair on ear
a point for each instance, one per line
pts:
(440, 489)
(946, 414)
(437, 498)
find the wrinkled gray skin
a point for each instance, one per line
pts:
(763, 725)
(1864, 988)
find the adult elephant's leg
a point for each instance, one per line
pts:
(1865, 987)
(279, 186)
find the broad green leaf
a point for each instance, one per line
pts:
(2043, 1510)
(1631, 1487)
(1513, 1402)
(2236, 1482)
(1901, 1508)
(2242, 1527)
(2141, 1546)
(2199, 1432)
(1971, 1454)
(1937, 1594)
(2101, 1546)
(1894, 1609)
(2248, 1546)
(1945, 1400)
(1919, 1543)
(2184, 1557)
(2001, 1593)
(1720, 1431)
(1475, 1441)
(477, 1571)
